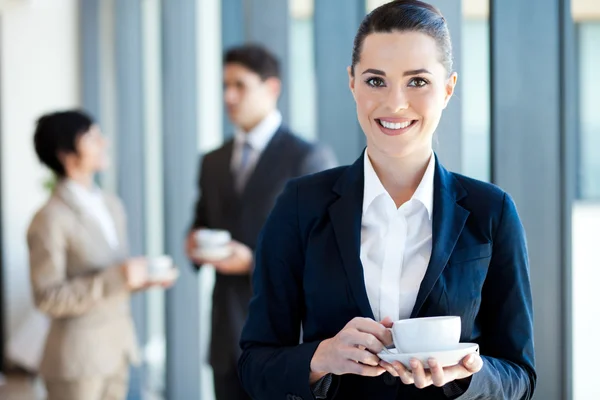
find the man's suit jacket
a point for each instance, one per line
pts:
(308, 272)
(77, 282)
(243, 214)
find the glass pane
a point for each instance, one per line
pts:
(154, 350)
(589, 137)
(586, 210)
(302, 80)
(373, 4)
(475, 94)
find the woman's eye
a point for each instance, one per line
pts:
(418, 82)
(375, 82)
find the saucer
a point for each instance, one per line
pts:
(445, 358)
(214, 254)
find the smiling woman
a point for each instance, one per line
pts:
(394, 236)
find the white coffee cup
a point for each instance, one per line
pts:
(212, 244)
(418, 335)
(159, 266)
(208, 238)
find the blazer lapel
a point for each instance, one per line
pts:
(88, 222)
(346, 218)
(448, 222)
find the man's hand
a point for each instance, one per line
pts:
(240, 262)
(190, 249)
(135, 272)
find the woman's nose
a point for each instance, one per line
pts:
(397, 99)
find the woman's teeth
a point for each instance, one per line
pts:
(395, 125)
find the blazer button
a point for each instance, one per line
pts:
(389, 379)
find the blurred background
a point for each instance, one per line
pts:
(525, 117)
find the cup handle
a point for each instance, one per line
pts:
(396, 341)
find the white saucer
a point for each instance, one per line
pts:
(214, 254)
(446, 358)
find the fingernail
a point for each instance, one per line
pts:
(432, 363)
(414, 363)
(470, 360)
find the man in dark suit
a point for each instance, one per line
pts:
(239, 183)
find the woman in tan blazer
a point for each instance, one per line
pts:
(80, 271)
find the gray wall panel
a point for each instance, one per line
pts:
(130, 149)
(336, 23)
(180, 160)
(526, 159)
(448, 140)
(267, 23)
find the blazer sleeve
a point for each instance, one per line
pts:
(506, 316)
(318, 159)
(54, 293)
(273, 364)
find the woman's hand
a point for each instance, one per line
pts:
(436, 375)
(135, 271)
(353, 350)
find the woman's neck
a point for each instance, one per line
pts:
(400, 176)
(83, 178)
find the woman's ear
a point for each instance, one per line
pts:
(351, 81)
(450, 86)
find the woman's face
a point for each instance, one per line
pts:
(400, 88)
(91, 154)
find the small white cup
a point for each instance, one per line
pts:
(210, 238)
(418, 335)
(212, 244)
(159, 266)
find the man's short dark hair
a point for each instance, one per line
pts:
(256, 58)
(58, 133)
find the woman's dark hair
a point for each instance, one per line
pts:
(406, 16)
(57, 133)
(254, 57)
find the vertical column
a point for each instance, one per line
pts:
(336, 23)
(528, 160)
(569, 144)
(89, 11)
(233, 28)
(130, 144)
(448, 141)
(180, 158)
(268, 24)
(3, 313)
